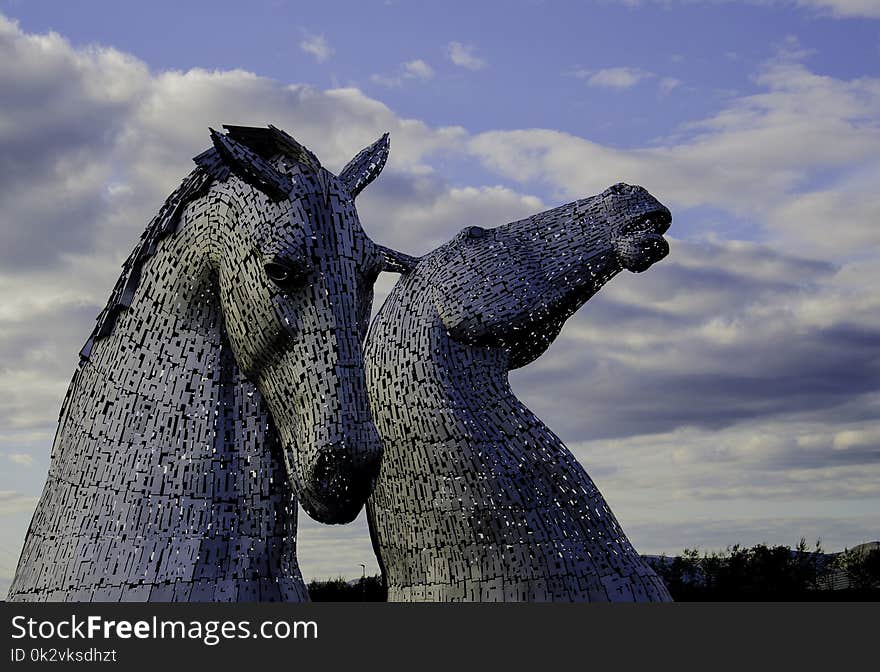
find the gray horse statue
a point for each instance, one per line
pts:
(477, 500)
(223, 381)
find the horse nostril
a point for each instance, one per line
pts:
(476, 232)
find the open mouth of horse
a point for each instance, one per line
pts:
(656, 222)
(640, 242)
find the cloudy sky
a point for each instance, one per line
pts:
(731, 394)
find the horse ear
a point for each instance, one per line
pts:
(396, 262)
(364, 167)
(251, 167)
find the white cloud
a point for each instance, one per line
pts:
(52, 95)
(463, 55)
(330, 551)
(847, 8)
(418, 69)
(420, 212)
(722, 333)
(22, 459)
(614, 78)
(749, 480)
(842, 9)
(753, 158)
(12, 501)
(415, 69)
(833, 220)
(317, 46)
(669, 84)
(386, 81)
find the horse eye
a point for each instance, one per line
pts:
(476, 232)
(282, 275)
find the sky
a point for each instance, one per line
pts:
(731, 394)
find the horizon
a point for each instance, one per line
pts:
(730, 394)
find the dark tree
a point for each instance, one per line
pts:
(862, 568)
(761, 572)
(365, 589)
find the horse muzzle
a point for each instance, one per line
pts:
(640, 243)
(341, 478)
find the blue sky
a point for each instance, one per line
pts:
(729, 395)
(532, 52)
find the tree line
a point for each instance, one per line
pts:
(763, 572)
(738, 573)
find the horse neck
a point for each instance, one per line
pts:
(173, 444)
(411, 360)
(165, 357)
(447, 414)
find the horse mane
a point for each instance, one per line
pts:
(210, 166)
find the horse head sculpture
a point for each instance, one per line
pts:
(296, 288)
(515, 285)
(222, 382)
(477, 499)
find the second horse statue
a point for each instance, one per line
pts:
(477, 500)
